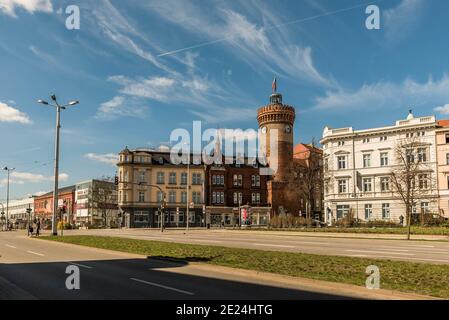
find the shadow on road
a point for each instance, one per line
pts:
(142, 279)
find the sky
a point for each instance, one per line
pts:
(141, 69)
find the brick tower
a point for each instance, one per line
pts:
(280, 117)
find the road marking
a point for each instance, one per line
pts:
(10, 246)
(162, 286)
(382, 252)
(36, 253)
(420, 246)
(79, 265)
(204, 240)
(391, 249)
(273, 245)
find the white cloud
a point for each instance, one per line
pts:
(17, 177)
(382, 95)
(262, 46)
(399, 21)
(442, 109)
(119, 106)
(10, 114)
(9, 7)
(108, 158)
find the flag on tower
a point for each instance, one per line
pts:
(274, 85)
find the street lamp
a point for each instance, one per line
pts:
(188, 187)
(8, 170)
(58, 126)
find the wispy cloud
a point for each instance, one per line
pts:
(9, 7)
(383, 95)
(108, 158)
(118, 107)
(10, 114)
(265, 49)
(400, 20)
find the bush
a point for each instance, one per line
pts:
(289, 221)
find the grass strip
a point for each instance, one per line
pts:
(421, 278)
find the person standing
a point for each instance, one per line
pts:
(38, 227)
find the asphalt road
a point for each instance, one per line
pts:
(36, 269)
(416, 251)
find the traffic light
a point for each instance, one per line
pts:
(116, 180)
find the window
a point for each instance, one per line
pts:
(183, 196)
(423, 181)
(424, 207)
(368, 211)
(160, 196)
(366, 140)
(141, 216)
(214, 180)
(367, 185)
(366, 160)
(222, 180)
(341, 160)
(141, 196)
(126, 176)
(447, 137)
(172, 178)
(384, 159)
(160, 178)
(196, 197)
(214, 197)
(238, 180)
(448, 182)
(196, 179)
(341, 143)
(410, 156)
(342, 211)
(221, 197)
(385, 211)
(172, 197)
(447, 158)
(142, 176)
(238, 196)
(342, 186)
(383, 138)
(422, 154)
(255, 181)
(255, 198)
(385, 184)
(184, 178)
(421, 133)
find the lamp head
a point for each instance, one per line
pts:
(53, 97)
(42, 101)
(74, 102)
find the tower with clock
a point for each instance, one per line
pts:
(281, 118)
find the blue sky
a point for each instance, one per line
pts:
(134, 90)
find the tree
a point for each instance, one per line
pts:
(411, 175)
(103, 200)
(307, 177)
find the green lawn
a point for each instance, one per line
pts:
(419, 278)
(444, 231)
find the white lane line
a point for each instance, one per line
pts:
(382, 252)
(391, 249)
(10, 246)
(36, 253)
(204, 240)
(273, 245)
(420, 246)
(162, 286)
(79, 265)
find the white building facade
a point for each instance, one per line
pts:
(358, 166)
(17, 209)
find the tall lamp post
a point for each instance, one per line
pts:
(8, 170)
(58, 127)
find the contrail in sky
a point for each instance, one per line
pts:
(325, 14)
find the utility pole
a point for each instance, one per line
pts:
(58, 107)
(8, 170)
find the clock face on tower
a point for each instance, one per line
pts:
(264, 130)
(288, 129)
